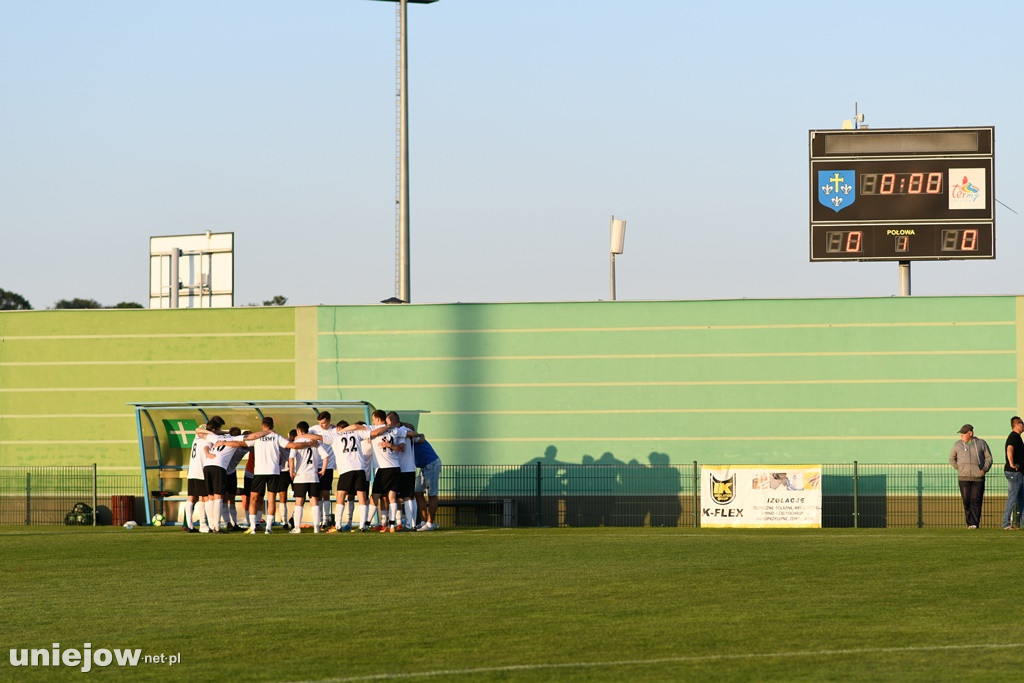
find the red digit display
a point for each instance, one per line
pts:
(969, 242)
(853, 241)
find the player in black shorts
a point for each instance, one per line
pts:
(231, 482)
(322, 428)
(352, 487)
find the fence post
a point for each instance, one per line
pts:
(94, 497)
(856, 483)
(696, 495)
(538, 492)
(28, 498)
(920, 500)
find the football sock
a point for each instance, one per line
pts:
(252, 522)
(298, 516)
(201, 509)
(337, 515)
(392, 513)
(214, 514)
(350, 508)
(189, 509)
(365, 511)
(316, 518)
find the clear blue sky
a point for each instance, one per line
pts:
(531, 123)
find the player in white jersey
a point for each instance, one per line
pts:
(387, 444)
(250, 468)
(407, 465)
(197, 491)
(383, 466)
(284, 484)
(215, 469)
(222, 450)
(353, 478)
(231, 478)
(324, 428)
(266, 445)
(306, 467)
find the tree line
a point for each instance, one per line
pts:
(12, 301)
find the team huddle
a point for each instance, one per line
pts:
(386, 453)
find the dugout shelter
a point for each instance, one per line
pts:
(166, 432)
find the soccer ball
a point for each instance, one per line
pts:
(158, 520)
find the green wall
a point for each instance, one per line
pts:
(750, 381)
(65, 376)
(874, 380)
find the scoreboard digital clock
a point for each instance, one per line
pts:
(902, 194)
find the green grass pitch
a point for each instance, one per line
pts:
(520, 604)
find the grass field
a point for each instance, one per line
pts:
(520, 604)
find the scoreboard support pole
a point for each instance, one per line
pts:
(904, 278)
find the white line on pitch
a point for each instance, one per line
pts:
(666, 660)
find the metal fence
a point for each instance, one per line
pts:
(542, 494)
(48, 495)
(549, 495)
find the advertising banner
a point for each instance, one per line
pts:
(760, 496)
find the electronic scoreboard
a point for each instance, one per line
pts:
(902, 194)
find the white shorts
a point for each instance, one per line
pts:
(429, 478)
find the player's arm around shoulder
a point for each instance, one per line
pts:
(355, 428)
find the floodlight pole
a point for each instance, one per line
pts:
(404, 288)
(404, 270)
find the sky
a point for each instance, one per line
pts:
(531, 124)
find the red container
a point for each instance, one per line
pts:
(123, 508)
